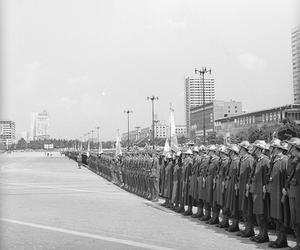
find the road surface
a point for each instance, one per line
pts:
(48, 203)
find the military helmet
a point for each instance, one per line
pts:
(275, 143)
(234, 148)
(260, 144)
(223, 149)
(169, 156)
(202, 148)
(212, 148)
(295, 141)
(188, 152)
(196, 149)
(178, 154)
(284, 146)
(245, 145)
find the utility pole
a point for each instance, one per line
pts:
(202, 72)
(128, 112)
(153, 98)
(92, 132)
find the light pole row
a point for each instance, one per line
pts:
(149, 98)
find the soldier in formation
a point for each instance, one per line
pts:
(250, 183)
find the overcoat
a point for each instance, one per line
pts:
(186, 174)
(277, 180)
(293, 187)
(211, 172)
(202, 172)
(194, 178)
(246, 166)
(258, 180)
(176, 191)
(168, 180)
(220, 178)
(231, 196)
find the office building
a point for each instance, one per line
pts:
(296, 63)
(7, 133)
(209, 113)
(40, 126)
(271, 116)
(194, 95)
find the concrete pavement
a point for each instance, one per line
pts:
(48, 203)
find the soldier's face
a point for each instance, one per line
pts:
(295, 152)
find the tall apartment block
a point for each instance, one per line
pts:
(194, 96)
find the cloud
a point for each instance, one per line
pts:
(251, 62)
(178, 25)
(77, 79)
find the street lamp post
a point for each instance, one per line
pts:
(152, 98)
(128, 112)
(202, 72)
(98, 135)
(92, 132)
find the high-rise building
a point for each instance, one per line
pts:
(296, 63)
(40, 126)
(194, 96)
(7, 132)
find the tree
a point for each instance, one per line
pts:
(287, 129)
(22, 144)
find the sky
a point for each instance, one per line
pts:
(86, 61)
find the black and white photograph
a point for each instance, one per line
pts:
(149, 124)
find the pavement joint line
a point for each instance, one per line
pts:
(88, 235)
(58, 188)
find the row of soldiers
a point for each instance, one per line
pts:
(136, 172)
(248, 182)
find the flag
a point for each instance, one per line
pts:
(172, 133)
(88, 149)
(100, 150)
(118, 147)
(166, 148)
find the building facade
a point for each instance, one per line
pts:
(7, 132)
(209, 113)
(193, 88)
(296, 63)
(161, 130)
(233, 125)
(40, 125)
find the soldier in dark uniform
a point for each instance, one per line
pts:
(211, 186)
(194, 183)
(231, 203)
(258, 191)
(277, 178)
(292, 188)
(202, 187)
(168, 180)
(186, 174)
(176, 190)
(220, 184)
(244, 206)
